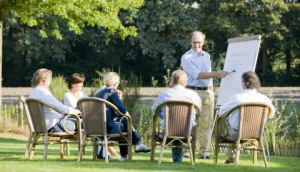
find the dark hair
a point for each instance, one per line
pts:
(75, 78)
(251, 80)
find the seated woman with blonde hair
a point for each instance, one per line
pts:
(112, 94)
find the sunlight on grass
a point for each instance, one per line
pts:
(12, 159)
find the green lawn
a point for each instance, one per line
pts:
(12, 159)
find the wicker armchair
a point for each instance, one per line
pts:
(178, 126)
(94, 117)
(251, 126)
(37, 125)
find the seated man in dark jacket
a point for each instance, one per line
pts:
(112, 94)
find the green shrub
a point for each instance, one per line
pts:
(58, 87)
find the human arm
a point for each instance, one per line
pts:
(115, 99)
(214, 74)
(47, 97)
(232, 102)
(159, 100)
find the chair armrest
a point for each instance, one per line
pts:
(129, 123)
(78, 121)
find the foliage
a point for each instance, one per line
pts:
(58, 87)
(78, 14)
(167, 78)
(154, 82)
(163, 28)
(131, 93)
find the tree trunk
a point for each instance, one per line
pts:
(288, 64)
(1, 28)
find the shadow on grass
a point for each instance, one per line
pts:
(9, 140)
(12, 152)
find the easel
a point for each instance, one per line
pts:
(212, 129)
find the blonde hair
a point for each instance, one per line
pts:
(179, 77)
(111, 78)
(40, 75)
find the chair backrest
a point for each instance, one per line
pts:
(252, 119)
(94, 114)
(35, 115)
(29, 120)
(178, 117)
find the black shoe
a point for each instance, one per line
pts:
(229, 161)
(204, 157)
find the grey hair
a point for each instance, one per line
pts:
(111, 78)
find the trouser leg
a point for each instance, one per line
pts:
(205, 121)
(65, 124)
(177, 152)
(230, 152)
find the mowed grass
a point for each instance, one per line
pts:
(12, 160)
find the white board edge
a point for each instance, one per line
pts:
(247, 38)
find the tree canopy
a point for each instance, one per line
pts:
(46, 14)
(162, 29)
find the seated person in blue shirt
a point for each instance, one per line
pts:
(177, 92)
(112, 94)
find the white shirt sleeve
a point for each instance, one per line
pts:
(232, 102)
(47, 97)
(159, 100)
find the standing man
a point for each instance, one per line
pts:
(196, 64)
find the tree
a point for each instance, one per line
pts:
(291, 43)
(235, 18)
(45, 14)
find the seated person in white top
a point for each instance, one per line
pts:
(177, 92)
(250, 84)
(54, 121)
(75, 84)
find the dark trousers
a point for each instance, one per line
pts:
(115, 130)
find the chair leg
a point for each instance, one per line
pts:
(237, 153)
(67, 146)
(254, 157)
(81, 148)
(45, 146)
(152, 149)
(106, 149)
(34, 140)
(130, 147)
(28, 145)
(61, 148)
(95, 150)
(191, 152)
(162, 149)
(216, 154)
(264, 153)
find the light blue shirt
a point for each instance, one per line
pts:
(192, 64)
(177, 92)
